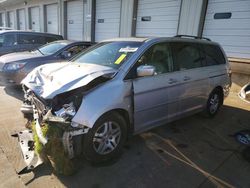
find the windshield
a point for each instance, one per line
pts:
(111, 54)
(51, 48)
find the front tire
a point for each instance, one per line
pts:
(105, 140)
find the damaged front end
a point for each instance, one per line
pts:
(50, 126)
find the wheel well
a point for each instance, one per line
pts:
(220, 89)
(126, 117)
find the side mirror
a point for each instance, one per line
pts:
(145, 70)
(66, 55)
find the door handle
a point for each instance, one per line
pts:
(172, 81)
(186, 78)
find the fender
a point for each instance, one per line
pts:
(110, 96)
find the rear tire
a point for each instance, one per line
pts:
(214, 102)
(104, 141)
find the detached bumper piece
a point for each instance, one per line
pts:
(26, 142)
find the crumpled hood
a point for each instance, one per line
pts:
(49, 80)
(19, 56)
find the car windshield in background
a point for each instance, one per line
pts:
(111, 54)
(51, 48)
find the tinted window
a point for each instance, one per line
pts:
(76, 49)
(187, 55)
(1, 40)
(8, 39)
(50, 39)
(213, 55)
(223, 15)
(30, 39)
(111, 54)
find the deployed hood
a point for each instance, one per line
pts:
(19, 56)
(49, 80)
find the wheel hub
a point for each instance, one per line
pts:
(214, 103)
(106, 138)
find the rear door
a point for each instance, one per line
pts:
(156, 97)
(194, 78)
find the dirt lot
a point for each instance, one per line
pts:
(192, 152)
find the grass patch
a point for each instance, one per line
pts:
(53, 149)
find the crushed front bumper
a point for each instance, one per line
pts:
(26, 137)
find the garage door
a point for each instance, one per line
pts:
(107, 19)
(35, 19)
(75, 20)
(11, 19)
(228, 22)
(157, 17)
(21, 24)
(52, 18)
(2, 19)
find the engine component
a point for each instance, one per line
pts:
(67, 111)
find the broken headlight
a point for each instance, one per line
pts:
(67, 111)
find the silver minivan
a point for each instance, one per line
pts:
(121, 87)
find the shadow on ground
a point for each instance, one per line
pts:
(14, 91)
(208, 143)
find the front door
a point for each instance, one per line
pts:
(156, 98)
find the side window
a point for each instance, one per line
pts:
(159, 56)
(9, 39)
(75, 49)
(29, 39)
(49, 39)
(1, 40)
(213, 55)
(187, 55)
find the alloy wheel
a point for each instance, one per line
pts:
(214, 103)
(107, 138)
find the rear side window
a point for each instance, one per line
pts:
(8, 40)
(30, 39)
(186, 55)
(213, 55)
(50, 39)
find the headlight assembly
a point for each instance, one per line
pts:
(14, 66)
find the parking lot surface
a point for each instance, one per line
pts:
(192, 152)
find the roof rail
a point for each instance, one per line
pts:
(195, 37)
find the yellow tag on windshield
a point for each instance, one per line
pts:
(119, 60)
